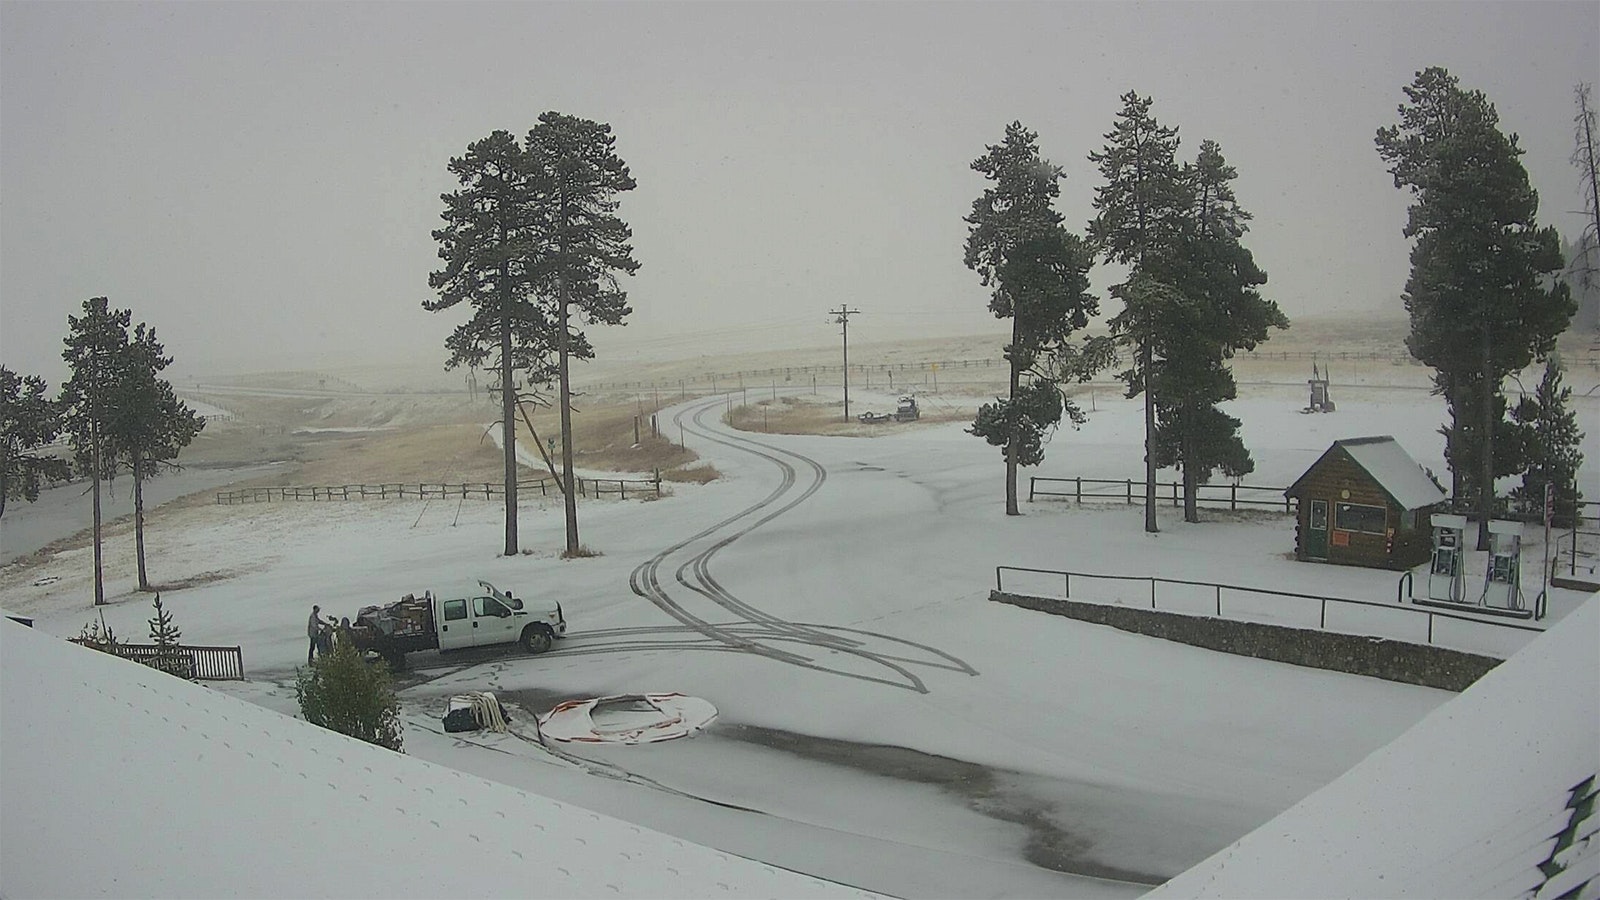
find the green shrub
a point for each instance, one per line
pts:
(170, 656)
(342, 692)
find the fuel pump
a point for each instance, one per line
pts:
(1502, 586)
(1446, 580)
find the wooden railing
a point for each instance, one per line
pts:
(481, 490)
(1122, 491)
(1128, 490)
(200, 663)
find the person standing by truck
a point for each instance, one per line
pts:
(313, 631)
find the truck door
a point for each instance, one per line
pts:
(455, 627)
(492, 622)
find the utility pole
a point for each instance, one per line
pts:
(843, 314)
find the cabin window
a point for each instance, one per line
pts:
(1355, 517)
(455, 609)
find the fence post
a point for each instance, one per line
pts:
(997, 586)
(1219, 601)
(1233, 496)
(1324, 623)
(1152, 593)
(1077, 492)
(1031, 480)
(1128, 490)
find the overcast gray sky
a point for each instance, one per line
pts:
(259, 181)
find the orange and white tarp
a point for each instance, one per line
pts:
(627, 719)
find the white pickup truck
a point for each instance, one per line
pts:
(470, 616)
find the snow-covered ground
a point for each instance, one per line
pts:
(880, 723)
(120, 781)
(1469, 803)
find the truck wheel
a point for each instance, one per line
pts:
(536, 639)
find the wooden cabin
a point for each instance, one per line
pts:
(1365, 502)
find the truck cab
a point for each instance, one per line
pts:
(484, 615)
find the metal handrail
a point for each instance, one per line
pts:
(1153, 580)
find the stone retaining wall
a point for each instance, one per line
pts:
(1435, 667)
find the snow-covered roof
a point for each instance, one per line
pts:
(1476, 800)
(1390, 466)
(118, 780)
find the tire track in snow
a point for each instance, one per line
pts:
(754, 630)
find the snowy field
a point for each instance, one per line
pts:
(880, 723)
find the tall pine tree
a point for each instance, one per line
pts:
(489, 245)
(149, 426)
(1039, 275)
(1481, 302)
(1222, 312)
(583, 245)
(96, 350)
(1138, 223)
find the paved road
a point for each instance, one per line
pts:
(66, 510)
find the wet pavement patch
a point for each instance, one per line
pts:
(985, 790)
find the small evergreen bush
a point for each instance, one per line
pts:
(342, 692)
(169, 657)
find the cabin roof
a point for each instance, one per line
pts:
(1389, 465)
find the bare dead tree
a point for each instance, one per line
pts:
(1584, 157)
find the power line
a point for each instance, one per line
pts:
(842, 316)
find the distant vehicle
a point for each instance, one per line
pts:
(479, 616)
(907, 412)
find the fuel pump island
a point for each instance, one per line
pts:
(1501, 593)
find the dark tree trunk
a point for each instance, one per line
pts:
(569, 495)
(1486, 464)
(1145, 356)
(508, 419)
(1013, 440)
(138, 518)
(1191, 505)
(94, 463)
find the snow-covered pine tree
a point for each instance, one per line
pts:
(1481, 301)
(1038, 273)
(1551, 438)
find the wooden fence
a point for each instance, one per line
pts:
(1122, 491)
(483, 490)
(928, 371)
(199, 663)
(1215, 495)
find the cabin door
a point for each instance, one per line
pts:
(1316, 536)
